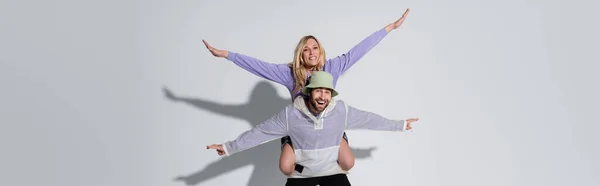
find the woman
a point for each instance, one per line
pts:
(309, 56)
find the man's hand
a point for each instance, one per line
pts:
(218, 147)
(409, 121)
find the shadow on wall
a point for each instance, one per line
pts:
(264, 103)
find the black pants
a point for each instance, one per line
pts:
(333, 180)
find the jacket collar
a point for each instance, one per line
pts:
(300, 104)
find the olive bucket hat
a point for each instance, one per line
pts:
(320, 79)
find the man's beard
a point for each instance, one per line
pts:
(316, 105)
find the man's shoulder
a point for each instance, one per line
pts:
(338, 101)
(340, 105)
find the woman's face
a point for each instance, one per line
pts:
(311, 53)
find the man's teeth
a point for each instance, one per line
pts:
(320, 102)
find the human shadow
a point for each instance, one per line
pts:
(264, 103)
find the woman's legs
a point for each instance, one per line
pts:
(345, 156)
(287, 159)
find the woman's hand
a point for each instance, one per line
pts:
(216, 52)
(398, 22)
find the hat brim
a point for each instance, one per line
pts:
(306, 90)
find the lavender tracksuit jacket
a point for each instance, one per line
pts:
(316, 139)
(282, 73)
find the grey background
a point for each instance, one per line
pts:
(106, 93)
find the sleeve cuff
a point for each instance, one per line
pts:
(403, 125)
(384, 32)
(231, 55)
(225, 149)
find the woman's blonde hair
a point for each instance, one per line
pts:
(298, 67)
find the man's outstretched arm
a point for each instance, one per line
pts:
(273, 128)
(360, 119)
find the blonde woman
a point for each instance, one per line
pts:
(309, 56)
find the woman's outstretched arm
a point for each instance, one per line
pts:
(340, 64)
(279, 73)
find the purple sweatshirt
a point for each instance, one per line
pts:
(316, 139)
(282, 73)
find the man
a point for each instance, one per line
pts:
(315, 122)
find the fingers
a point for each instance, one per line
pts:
(403, 17)
(207, 45)
(406, 12)
(217, 147)
(409, 121)
(215, 52)
(213, 146)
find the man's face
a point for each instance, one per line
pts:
(319, 99)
